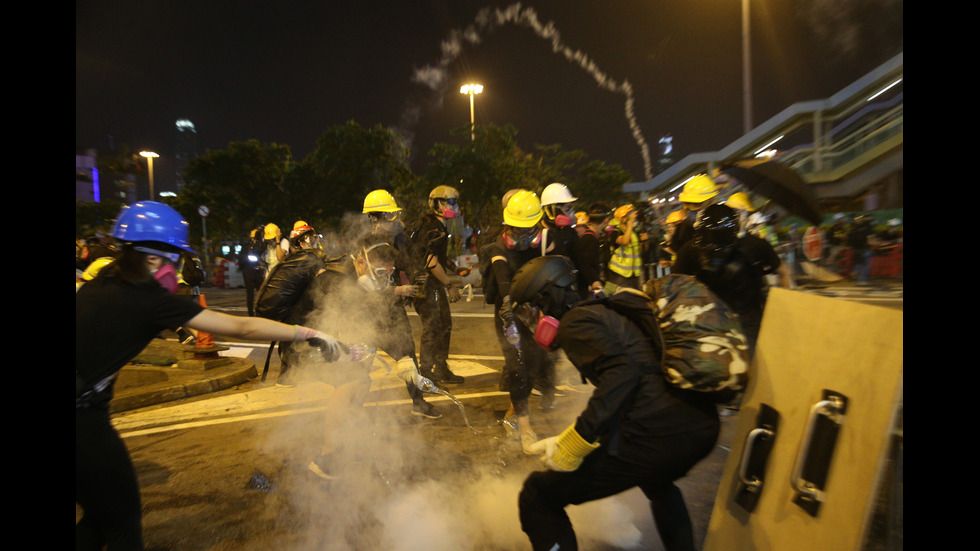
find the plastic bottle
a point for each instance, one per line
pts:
(512, 334)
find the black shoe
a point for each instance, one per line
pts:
(323, 468)
(442, 374)
(425, 409)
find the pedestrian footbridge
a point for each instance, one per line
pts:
(848, 147)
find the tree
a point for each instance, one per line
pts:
(243, 186)
(349, 162)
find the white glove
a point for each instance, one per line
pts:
(328, 346)
(409, 372)
(545, 447)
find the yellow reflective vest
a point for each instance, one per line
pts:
(626, 259)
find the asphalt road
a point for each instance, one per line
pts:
(229, 470)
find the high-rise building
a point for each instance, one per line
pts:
(666, 149)
(186, 148)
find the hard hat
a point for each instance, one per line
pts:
(581, 217)
(699, 189)
(622, 211)
(443, 192)
(252, 233)
(380, 200)
(676, 216)
(536, 276)
(299, 231)
(271, 231)
(740, 201)
(152, 221)
(555, 194)
(96, 266)
(507, 196)
(299, 223)
(523, 209)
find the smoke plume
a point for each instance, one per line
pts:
(435, 76)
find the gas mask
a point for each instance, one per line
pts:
(563, 214)
(450, 208)
(542, 326)
(166, 276)
(374, 278)
(521, 239)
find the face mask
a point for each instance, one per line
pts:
(545, 332)
(449, 213)
(369, 283)
(522, 241)
(167, 278)
(563, 220)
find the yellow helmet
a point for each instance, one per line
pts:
(271, 231)
(96, 266)
(299, 224)
(676, 216)
(699, 189)
(523, 209)
(380, 200)
(740, 201)
(581, 217)
(623, 210)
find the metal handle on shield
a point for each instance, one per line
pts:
(751, 482)
(812, 465)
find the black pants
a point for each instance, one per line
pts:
(105, 486)
(252, 277)
(437, 325)
(545, 494)
(524, 365)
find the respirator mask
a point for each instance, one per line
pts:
(563, 214)
(450, 208)
(375, 278)
(521, 239)
(166, 275)
(542, 326)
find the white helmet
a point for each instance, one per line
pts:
(555, 194)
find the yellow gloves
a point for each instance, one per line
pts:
(566, 451)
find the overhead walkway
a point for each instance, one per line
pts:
(840, 145)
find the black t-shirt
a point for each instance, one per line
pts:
(431, 239)
(115, 321)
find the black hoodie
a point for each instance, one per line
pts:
(633, 412)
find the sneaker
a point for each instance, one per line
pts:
(425, 409)
(442, 374)
(321, 466)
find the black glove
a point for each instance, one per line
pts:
(507, 311)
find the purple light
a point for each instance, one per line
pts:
(95, 185)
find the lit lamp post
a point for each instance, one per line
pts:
(471, 89)
(746, 70)
(149, 155)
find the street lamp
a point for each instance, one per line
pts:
(471, 89)
(149, 155)
(746, 70)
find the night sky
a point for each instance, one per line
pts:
(285, 71)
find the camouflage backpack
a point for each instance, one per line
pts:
(704, 347)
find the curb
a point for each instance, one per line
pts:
(177, 383)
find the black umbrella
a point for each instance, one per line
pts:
(779, 183)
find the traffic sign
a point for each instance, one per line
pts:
(203, 211)
(813, 244)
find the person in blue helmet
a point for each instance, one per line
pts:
(116, 315)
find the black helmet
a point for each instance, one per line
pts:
(546, 282)
(715, 236)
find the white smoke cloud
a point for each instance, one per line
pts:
(435, 76)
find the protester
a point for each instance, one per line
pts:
(440, 285)
(636, 430)
(117, 314)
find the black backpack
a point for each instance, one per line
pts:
(192, 271)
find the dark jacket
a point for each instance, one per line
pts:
(633, 411)
(281, 292)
